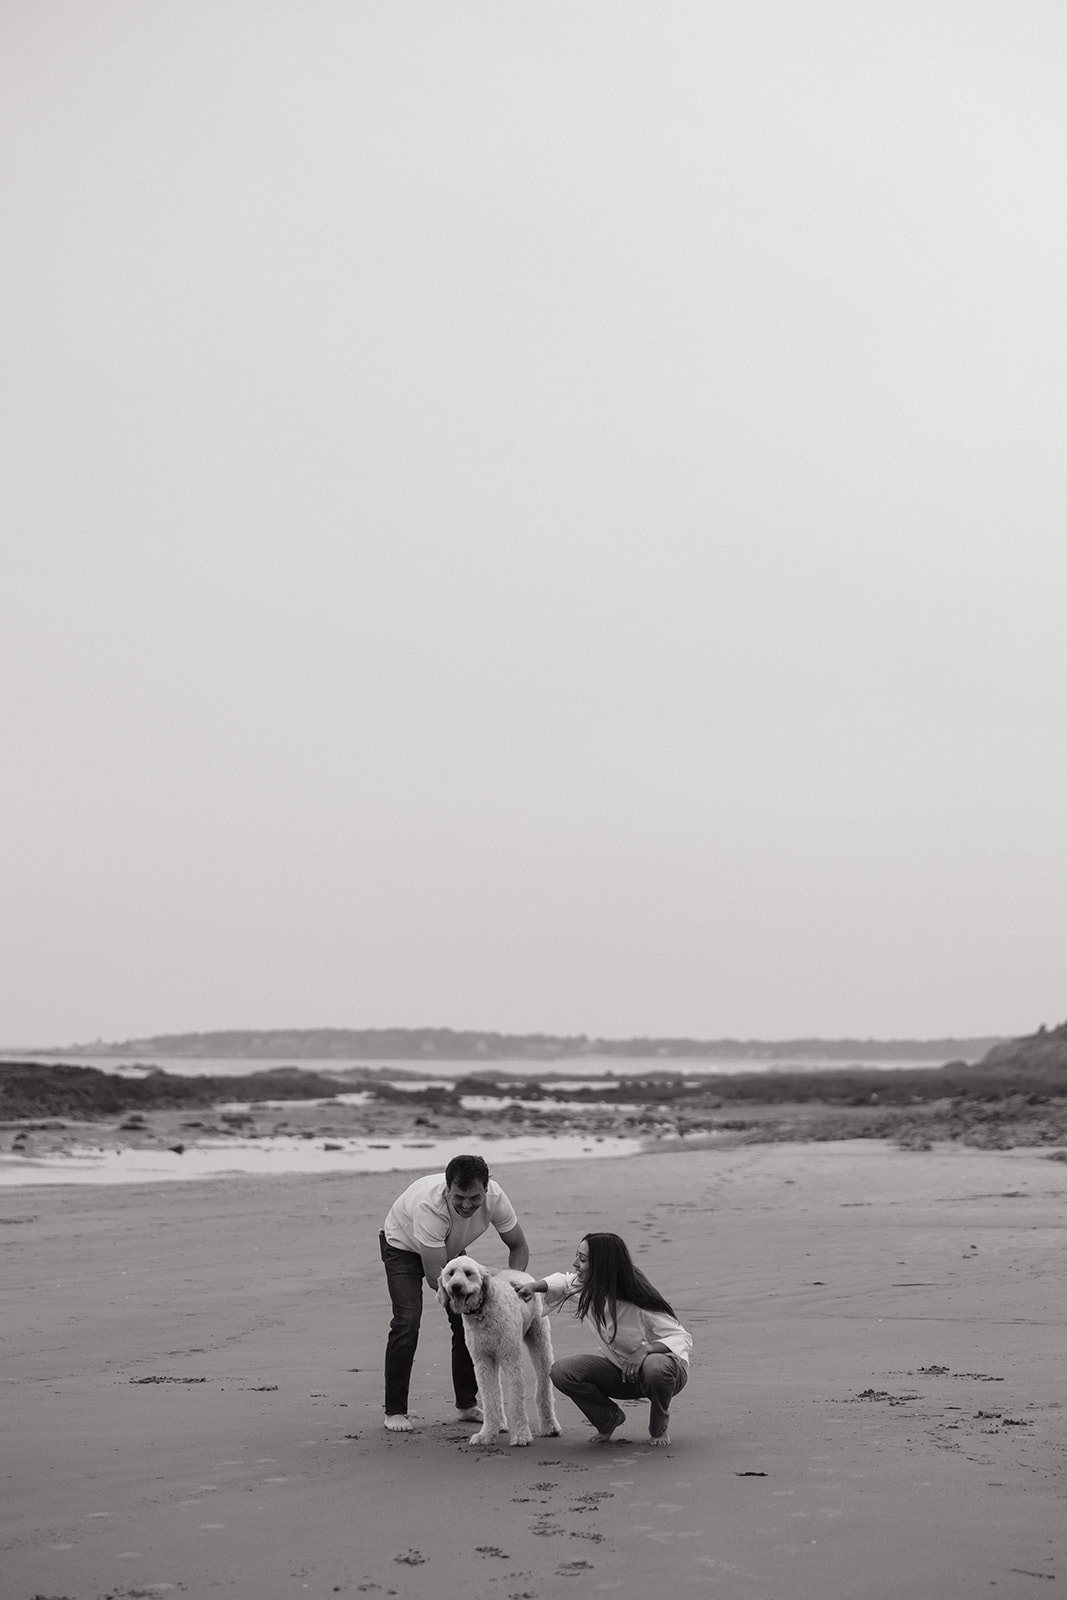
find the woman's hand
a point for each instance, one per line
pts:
(633, 1363)
(525, 1291)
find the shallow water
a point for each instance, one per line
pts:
(584, 1071)
(273, 1157)
(466, 1102)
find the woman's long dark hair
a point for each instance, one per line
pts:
(611, 1276)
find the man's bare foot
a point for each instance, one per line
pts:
(399, 1423)
(471, 1414)
(660, 1438)
(605, 1437)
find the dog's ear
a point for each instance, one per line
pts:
(442, 1295)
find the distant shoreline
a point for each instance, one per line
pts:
(446, 1044)
(1014, 1097)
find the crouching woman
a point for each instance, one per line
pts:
(644, 1348)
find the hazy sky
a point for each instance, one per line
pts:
(535, 516)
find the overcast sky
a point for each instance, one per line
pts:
(533, 516)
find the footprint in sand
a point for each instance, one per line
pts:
(544, 1527)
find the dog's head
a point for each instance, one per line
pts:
(462, 1285)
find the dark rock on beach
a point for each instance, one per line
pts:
(34, 1089)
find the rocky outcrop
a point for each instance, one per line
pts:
(1041, 1055)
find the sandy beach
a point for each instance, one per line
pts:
(877, 1406)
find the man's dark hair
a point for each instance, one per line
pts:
(466, 1170)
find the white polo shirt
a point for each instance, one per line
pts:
(420, 1218)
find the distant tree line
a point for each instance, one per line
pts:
(448, 1044)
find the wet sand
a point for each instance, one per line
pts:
(877, 1407)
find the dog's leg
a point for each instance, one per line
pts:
(515, 1386)
(539, 1343)
(487, 1373)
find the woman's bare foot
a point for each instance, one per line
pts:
(399, 1423)
(471, 1414)
(605, 1438)
(660, 1438)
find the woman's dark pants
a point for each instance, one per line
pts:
(594, 1383)
(404, 1274)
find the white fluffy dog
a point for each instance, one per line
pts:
(496, 1324)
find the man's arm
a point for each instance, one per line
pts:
(518, 1249)
(434, 1260)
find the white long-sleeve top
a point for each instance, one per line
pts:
(635, 1326)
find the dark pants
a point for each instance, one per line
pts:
(594, 1382)
(404, 1275)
